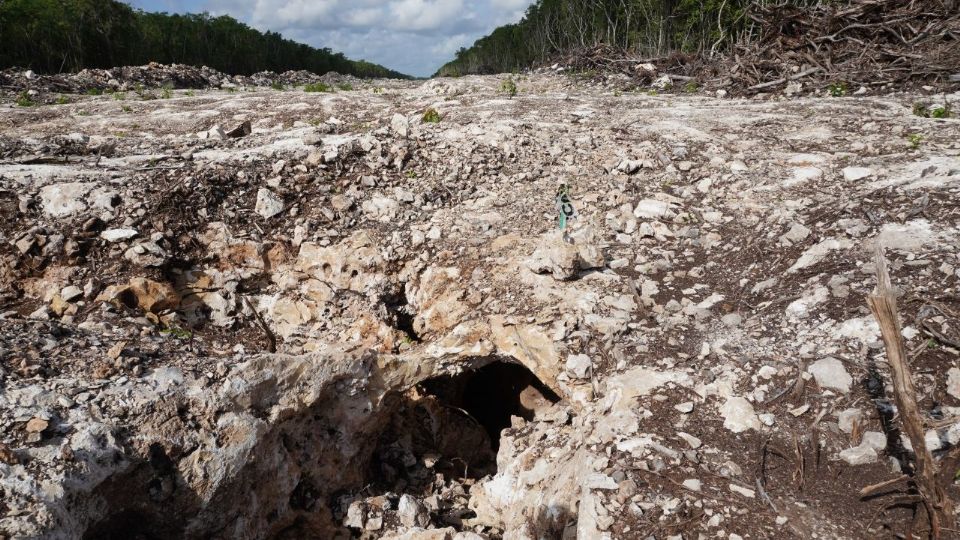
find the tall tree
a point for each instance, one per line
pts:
(649, 27)
(52, 36)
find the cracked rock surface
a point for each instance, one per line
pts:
(251, 313)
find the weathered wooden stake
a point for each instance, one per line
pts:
(883, 303)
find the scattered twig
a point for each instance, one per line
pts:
(271, 338)
(764, 496)
(782, 80)
(875, 488)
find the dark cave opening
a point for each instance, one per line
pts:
(493, 394)
(451, 425)
(125, 524)
(402, 313)
(434, 440)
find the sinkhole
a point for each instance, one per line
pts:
(437, 438)
(451, 425)
(493, 394)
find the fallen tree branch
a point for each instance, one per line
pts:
(800, 75)
(883, 304)
(271, 337)
(875, 488)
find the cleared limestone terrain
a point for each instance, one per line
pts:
(348, 323)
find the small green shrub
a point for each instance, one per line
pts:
(177, 332)
(317, 87)
(346, 87)
(277, 85)
(941, 112)
(691, 87)
(62, 100)
(94, 92)
(921, 110)
(143, 93)
(411, 174)
(431, 116)
(508, 87)
(915, 139)
(120, 96)
(838, 89)
(190, 93)
(377, 89)
(126, 108)
(166, 93)
(24, 100)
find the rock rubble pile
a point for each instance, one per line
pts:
(150, 76)
(344, 322)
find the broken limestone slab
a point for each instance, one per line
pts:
(738, 415)
(830, 373)
(797, 233)
(146, 294)
(866, 452)
(63, 200)
(847, 418)
(579, 365)
(953, 382)
(411, 512)
(564, 257)
(859, 455)
(118, 235)
(216, 132)
(241, 130)
(268, 203)
(818, 252)
(653, 209)
(852, 174)
(400, 125)
(71, 293)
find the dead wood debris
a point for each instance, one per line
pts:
(867, 43)
(929, 479)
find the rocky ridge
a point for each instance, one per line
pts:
(283, 314)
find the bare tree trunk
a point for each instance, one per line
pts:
(883, 304)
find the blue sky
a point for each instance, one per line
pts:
(411, 36)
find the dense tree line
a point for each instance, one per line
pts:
(648, 27)
(53, 36)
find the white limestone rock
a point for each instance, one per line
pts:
(830, 373)
(738, 415)
(268, 203)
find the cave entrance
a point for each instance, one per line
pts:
(492, 395)
(451, 425)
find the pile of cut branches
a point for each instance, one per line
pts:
(864, 42)
(868, 43)
(604, 59)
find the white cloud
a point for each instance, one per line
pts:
(293, 12)
(412, 36)
(511, 5)
(420, 15)
(363, 17)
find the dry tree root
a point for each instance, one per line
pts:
(929, 480)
